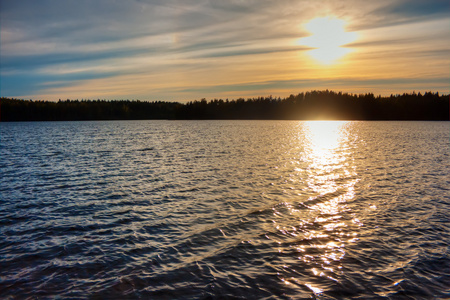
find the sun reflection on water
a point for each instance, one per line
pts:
(330, 176)
(326, 152)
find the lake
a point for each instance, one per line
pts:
(225, 209)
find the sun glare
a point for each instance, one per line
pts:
(328, 37)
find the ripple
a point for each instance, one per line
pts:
(224, 209)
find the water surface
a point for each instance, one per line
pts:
(216, 209)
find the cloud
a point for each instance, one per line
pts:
(397, 12)
(49, 47)
(308, 83)
(32, 83)
(418, 8)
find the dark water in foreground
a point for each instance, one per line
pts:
(217, 209)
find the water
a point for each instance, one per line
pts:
(225, 209)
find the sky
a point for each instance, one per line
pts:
(184, 50)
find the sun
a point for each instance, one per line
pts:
(328, 37)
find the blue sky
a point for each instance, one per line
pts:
(177, 50)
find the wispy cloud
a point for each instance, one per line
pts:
(177, 50)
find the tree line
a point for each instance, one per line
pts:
(304, 106)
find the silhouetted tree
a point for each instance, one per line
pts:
(310, 105)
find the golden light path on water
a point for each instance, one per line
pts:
(329, 224)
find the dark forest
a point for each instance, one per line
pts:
(314, 105)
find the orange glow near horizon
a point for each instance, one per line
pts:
(180, 52)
